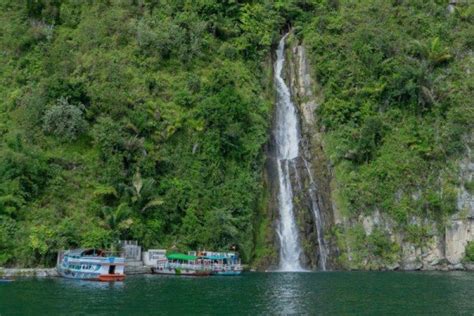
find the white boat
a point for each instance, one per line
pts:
(91, 264)
(226, 269)
(182, 264)
(222, 263)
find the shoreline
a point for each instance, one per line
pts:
(136, 270)
(52, 272)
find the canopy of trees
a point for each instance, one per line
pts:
(146, 119)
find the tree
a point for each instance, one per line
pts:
(65, 120)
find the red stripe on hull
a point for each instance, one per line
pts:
(111, 277)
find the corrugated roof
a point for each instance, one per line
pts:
(180, 256)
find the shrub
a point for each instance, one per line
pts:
(24, 174)
(469, 186)
(7, 232)
(97, 237)
(470, 251)
(65, 120)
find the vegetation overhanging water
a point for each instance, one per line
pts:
(147, 120)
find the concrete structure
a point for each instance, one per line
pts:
(131, 250)
(458, 234)
(152, 256)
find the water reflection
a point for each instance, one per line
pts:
(286, 293)
(456, 292)
(90, 285)
(333, 293)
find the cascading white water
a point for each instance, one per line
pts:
(286, 138)
(323, 253)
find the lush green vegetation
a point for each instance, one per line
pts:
(145, 119)
(398, 99)
(470, 251)
(132, 119)
(368, 252)
(398, 88)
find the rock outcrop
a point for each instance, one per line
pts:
(314, 198)
(439, 246)
(442, 246)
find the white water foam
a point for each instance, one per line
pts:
(287, 139)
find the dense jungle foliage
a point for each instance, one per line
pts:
(132, 120)
(398, 107)
(146, 119)
(398, 91)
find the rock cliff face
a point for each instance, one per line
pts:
(443, 249)
(316, 192)
(344, 237)
(460, 230)
(309, 175)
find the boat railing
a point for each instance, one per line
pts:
(114, 253)
(184, 266)
(227, 267)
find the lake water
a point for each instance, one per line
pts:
(325, 293)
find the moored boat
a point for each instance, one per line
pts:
(182, 264)
(91, 264)
(223, 263)
(227, 270)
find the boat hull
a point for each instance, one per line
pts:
(91, 265)
(92, 276)
(78, 276)
(111, 277)
(227, 273)
(6, 280)
(182, 272)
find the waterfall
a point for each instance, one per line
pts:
(286, 138)
(317, 216)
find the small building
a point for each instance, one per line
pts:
(152, 256)
(131, 250)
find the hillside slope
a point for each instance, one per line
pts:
(397, 116)
(131, 119)
(148, 120)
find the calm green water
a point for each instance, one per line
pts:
(332, 293)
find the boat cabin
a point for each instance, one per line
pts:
(91, 264)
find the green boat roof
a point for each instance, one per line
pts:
(180, 256)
